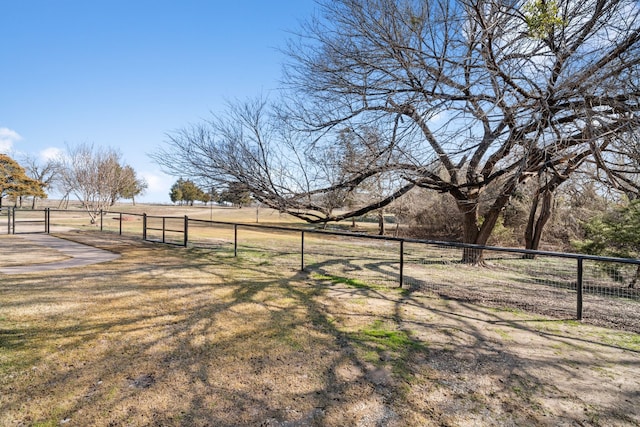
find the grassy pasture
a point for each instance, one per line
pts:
(545, 285)
(173, 336)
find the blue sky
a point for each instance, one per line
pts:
(123, 73)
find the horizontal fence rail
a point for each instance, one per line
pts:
(24, 221)
(559, 284)
(554, 283)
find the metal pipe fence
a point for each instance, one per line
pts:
(22, 221)
(562, 285)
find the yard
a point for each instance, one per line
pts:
(173, 336)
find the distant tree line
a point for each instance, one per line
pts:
(186, 192)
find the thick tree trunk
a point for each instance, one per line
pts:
(381, 229)
(478, 233)
(533, 232)
(470, 232)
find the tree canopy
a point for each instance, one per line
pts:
(237, 194)
(44, 171)
(187, 191)
(14, 181)
(97, 176)
(129, 185)
(471, 99)
(614, 233)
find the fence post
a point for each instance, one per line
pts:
(302, 251)
(8, 221)
(186, 231)
(235, 240)
(401, 263)
(579, 289)
(120, 225)
(163, 227)
(47, 220)
(13, 214)
(101, 212)
(144, 226)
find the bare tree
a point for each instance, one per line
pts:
(287, 170)
(474, 94)
(471, 99)
(93, 175)
(44, 171)
(619, 169)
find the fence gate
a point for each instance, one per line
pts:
(162, 229)
(18, 221)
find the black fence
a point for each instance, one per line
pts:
(563, 285)
(19, 221)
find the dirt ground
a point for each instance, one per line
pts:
(191, 337)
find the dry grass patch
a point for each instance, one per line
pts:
(173, 336)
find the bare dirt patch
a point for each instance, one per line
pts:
(173, 336)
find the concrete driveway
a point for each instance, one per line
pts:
(80, 255)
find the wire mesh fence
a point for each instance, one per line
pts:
(562, 285)
(356, 258)
(545, 284)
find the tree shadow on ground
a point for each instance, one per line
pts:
(170, 336)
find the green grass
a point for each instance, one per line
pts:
(382, 344)
(387, 339)
(627, 340)
(353, 283)
(504, 335)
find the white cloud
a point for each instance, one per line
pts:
(51, 153)
(156, 182)
(158, 187)
(8, 137)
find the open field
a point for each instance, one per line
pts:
(76, 217)
(174, 336)
(545, 285)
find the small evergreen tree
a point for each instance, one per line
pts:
(129, 184)
(236, 194)
(186, 191)
(614, 234)
(175, 194)
(14, 181)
